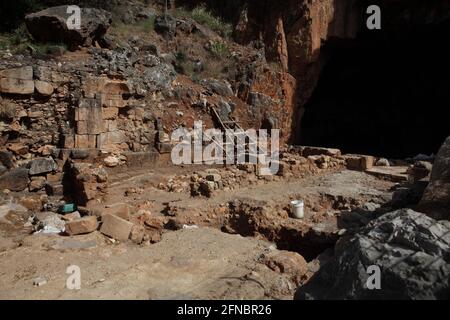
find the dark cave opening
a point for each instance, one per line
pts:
(385, 93)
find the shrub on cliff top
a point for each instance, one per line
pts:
(205, 17)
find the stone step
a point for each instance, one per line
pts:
(395, 174)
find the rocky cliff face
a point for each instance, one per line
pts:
(303, 36)
(294, 31)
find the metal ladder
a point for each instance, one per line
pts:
(232, 124)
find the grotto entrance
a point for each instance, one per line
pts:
(386, 93)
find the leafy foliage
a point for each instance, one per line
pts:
(219, 49)
(203, 16)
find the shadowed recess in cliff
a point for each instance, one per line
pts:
(384, 93)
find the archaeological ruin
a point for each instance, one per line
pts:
(224, 150)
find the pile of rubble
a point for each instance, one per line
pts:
(35, 175)
(87, 182)
(118, 222)
(294, 163)
(205, 183)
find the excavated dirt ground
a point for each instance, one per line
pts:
(211, 262)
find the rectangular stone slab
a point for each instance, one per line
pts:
(16, 86)
(116, 227)
(90, 111)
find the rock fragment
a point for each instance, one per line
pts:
(116, 227)
(82, 226)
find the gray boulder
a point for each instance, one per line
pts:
(50, 25)
(411, 249)
(42, 165)
(218, 87)
(436, 198)
(159, 77)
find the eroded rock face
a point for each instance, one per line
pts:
(436, 199)
(271, 97)
(304, 36)
(293, 32)
(50, 25)
(411, 249)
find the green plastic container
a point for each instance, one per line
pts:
(68, 208)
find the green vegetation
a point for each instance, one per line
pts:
(124, 29)
(16, 40)
(46, 48)
(219, 50)
(20, 40)
(148, 24)
(204, 17)
(186, 68)
(181, 56)
(196, 78)
(183, 64)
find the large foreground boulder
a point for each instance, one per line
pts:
(436, 198)
(50, 25)
(411, 250)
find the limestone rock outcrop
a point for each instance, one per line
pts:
(292, 33)
(436, 199)
(411, 250)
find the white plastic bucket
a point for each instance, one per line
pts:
(298, 209)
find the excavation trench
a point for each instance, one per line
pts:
(309, 244)
(308, 238)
